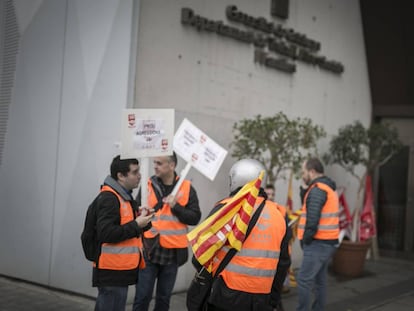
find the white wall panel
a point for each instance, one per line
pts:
(90, 125)
(71, 86)
(28, 171)
(26, 11)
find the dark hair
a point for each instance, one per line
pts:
(121, 166)
(314, 164)
(270, 186)
(173, 158)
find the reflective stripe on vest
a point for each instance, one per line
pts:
(253, 268)
(328, 227)
(172, 232)
(256, 254)
(125, 255)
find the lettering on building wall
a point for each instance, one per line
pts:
(287, 43)
(280, 8)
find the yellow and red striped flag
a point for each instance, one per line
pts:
(227, 226)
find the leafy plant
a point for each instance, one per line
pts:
(355, 145)
(278, 142)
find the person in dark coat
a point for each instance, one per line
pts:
(119, 227)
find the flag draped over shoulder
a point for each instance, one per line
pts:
(227, 226)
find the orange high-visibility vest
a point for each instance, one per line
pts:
(282, 209)
(254, 267)
(172, 232)
(328, 227)
(125, 255)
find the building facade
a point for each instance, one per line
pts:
(68, 68)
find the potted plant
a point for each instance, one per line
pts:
(278, 142)
(359, 149)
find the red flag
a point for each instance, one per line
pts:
(345, 219)
(289, 202)
(367, 227)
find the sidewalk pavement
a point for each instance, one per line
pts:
(386, 285)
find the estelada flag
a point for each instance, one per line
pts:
(367, 227)
(227, 226)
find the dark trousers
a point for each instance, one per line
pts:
(165, 276)
(111, 298)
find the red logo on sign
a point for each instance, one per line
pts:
(131, 120)
(164, 144)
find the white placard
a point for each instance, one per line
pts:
(197, 148)
(147, 133)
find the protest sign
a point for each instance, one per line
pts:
(146, 133)
(198, 150)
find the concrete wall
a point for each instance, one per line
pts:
(75, 73)
(71, 84)
(213, 81)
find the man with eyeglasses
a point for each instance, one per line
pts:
(119, 228)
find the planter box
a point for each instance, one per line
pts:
(349, 258)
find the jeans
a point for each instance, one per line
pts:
(312, 275)
(165, 275)
(111, 298)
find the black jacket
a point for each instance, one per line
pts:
(109, 230)
(315, 200)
